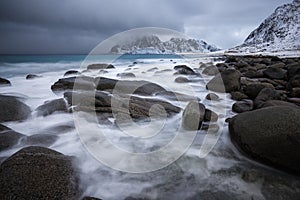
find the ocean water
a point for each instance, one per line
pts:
(210, 164)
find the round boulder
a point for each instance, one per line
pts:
(193, 116)
(275, 73)
(269, 135)
(8, 137)
(12, 109)
(243, 106)
(227, 81)
(4, 82)
(181, 79)
(49, 107)
(253, 89)
(212, 97)
(38, 173)
(210, 70)
(72, 72)
(32, 76)
(185, 70)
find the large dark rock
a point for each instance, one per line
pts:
(80, 83)
(275, 73)
(243, 106)
(127, 87)
(212, 97)
(226, 81)
(253, 89)
(176, 96)
(185, 70)
(49, 107)
(8, 137)
(295, 92)
(101, 102)
(4, 82)
(264, 95)
(72, 72)
(294, 82)
(12, 109)
(270, 103)
(38, 173)
(100, 66)
(293, 69)
(269, 135)
(211, 70)
(210, 116)
(181, 79)
(139, 108)
(32, 76)
(238, 96)
(193, 116)
(92, 100)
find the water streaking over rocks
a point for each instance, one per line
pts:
(43, 144)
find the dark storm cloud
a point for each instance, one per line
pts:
(61, 26)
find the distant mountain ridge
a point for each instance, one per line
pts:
(279, 32)
(153, 45)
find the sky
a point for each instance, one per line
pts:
(77, 26)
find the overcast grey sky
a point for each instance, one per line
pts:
(77, 26)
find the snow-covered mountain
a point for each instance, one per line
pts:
(153, 45)
(279, 32)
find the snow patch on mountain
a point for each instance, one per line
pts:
(153, 45)
(279, 32)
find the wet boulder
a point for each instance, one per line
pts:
(49, 107)
(227, 81)
(270, 103)
(193, 116)
(127, 87)
(38, 173)
(211, 70)
(243, 106)
(100, 66)
(184, 70)
(294, 82)
(4, 82)
(237, 95)
(210, 116)
(12, 109)
(73, 83)
(181, 79)
(212, 97)
(295, 92)
(8, 137)
(89, 100)
(253, 89)
(71, 72)
(269, 135)
(274, 72)
(32, 76)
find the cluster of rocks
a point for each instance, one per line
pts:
(34, 171)
(126, 98)
(267, 91)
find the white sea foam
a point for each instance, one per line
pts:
(186, 177)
